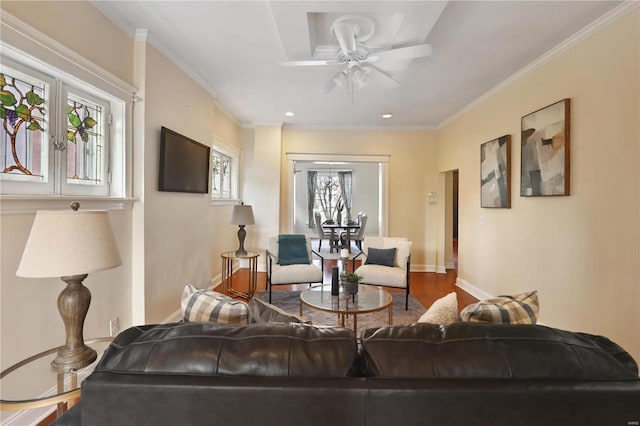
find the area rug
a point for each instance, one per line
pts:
(290, 302)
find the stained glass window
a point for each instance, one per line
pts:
(85, 123)
(24, 115)
(60, 135)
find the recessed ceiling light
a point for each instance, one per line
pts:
(289, 114)
(387, 115)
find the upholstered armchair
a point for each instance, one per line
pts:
(385, 262)
(296, 265)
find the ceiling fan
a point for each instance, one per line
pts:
(355, 59)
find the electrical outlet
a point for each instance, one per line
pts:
(114, 326)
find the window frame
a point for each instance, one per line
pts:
(225, 149)
(25, 47)
(104, 188)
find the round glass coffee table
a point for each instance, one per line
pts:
(368, 299)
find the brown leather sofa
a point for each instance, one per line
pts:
(297, 374)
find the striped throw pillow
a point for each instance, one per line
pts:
(519, 309)
(209, 306)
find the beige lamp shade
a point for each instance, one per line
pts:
(242, 215)
(66, 242)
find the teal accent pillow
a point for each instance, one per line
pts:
(292, 249)
(382, 257)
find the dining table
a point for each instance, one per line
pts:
(349, 227)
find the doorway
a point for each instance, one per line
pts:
(448, 231)
(370, 173)
(454, 233)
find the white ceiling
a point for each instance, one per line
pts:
(233, 49)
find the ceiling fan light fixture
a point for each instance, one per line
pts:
(353, 56)
(339, 79)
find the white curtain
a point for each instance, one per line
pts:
(344, 180)
(311, 196)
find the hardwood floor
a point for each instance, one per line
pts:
(427, 287)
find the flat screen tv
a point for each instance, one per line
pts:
(184, 164)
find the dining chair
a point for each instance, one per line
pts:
(325, 235)
(359, 236)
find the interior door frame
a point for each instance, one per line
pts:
(445, 218)
(383, 175)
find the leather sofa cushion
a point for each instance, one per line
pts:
(285, 350)
(496, 351)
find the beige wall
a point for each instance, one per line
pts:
(91, 34)
(412, 174)
(184, 234)
(580, 252)
(261, 152)
(29, 318)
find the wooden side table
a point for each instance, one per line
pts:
(227, 273)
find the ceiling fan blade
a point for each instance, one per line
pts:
(309, 63)
(386, 77)
(331, 84)
(345, 36)
(409, 52)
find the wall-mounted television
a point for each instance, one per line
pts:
(184, 164)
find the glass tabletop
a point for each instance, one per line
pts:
(368, 299)
(233, 255)
(32, 379)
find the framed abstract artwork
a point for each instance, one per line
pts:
(544, 165)
(495, 173)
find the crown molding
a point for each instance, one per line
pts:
(226, 112)
(356, 127)
(586, 32)
(266, 124)
(20, 38)
(177, 61)
(141, 34)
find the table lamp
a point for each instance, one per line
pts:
(242, 215)
(70, 244)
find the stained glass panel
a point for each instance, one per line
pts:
(23, 111)
(84, 141)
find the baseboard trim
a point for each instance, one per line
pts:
(423, 268)
(441, 269)
(472, 290)
(28, 417)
